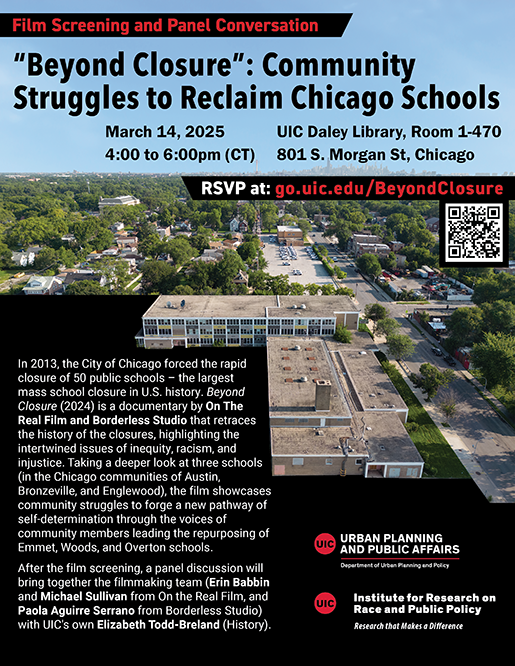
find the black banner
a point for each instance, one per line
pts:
(174, 25)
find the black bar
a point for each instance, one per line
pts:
(173, 25)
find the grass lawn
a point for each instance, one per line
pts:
(5, 276)
(504, 395)
(439, 458)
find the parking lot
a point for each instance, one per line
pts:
(299, 263)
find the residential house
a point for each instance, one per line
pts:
(45, 285)
(237, 225)
(23, 258)
(433, 224)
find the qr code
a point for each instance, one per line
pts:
(473, 233)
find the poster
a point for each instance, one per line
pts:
(158, 498)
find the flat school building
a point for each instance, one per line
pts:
(333, 411)
(242, 321)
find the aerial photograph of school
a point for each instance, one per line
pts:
(380, 362)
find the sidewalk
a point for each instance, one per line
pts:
(498, 405)
(467, 458)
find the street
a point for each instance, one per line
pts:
(480, 437)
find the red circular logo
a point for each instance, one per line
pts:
(325, 603)
(325, 543)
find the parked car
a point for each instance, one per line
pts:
(436, 351)
(449, 360)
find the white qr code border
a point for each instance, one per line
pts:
(473, 234)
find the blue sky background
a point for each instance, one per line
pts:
(457, 46)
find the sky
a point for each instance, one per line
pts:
(454, 46)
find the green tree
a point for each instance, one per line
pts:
(328, 289)
(226, 270)
(87, 229)
(5, 256)
(103, 240)
(498, 317)
(375, 312)
(305, 227)
(67, 257)
(201, 275)
(200, 240)
(47, 260)
(464, 326)
(268, 212)
(386, 326)
(494, 358)
(214, 219)
(166, 217)
(496, 287)
(295, 208)
(369, 264)
(249, 249)
(342, 334)
(312, 289)
(30, 231)
(389, 262)
(399, 346)
(154, 275)
(278, 284)
(86, 288)
(116, 273)
(257, 281)
(431, 379)
(344, 291)
(296, 289)
(248, 213)
(180, 250)
(149, 241)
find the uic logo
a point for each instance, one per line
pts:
(325, 543)
(325, 603)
